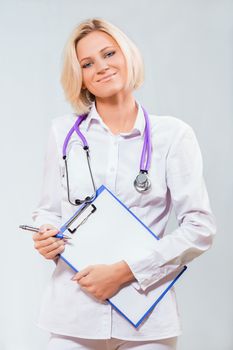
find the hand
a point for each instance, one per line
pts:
(47, 245)
(104, 281)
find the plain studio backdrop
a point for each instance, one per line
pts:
(187, 49)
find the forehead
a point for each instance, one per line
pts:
(93, 43)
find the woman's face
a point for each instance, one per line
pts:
(103, 64)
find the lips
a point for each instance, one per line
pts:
(106, 77)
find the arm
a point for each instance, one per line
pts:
(49, 207)
(196, 229)
(103, 281)
(47, 215)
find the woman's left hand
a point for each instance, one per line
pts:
(103, 281)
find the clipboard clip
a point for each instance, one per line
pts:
(88, 210)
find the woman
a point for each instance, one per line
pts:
(102, 68)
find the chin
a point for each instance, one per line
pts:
(109, 92)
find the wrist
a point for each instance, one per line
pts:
(123, 272)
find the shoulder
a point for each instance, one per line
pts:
(170, 123)
(170, 127)
(60, 126)
(170, 132)
(63, 121)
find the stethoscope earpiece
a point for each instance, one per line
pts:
(142, 182)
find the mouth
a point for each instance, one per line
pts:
(106, 78)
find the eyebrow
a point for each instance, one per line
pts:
(107, 47)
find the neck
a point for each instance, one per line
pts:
(118, 112)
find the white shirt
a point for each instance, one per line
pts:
(176, 179)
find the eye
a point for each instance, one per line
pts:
(109, 54)
(86, 65)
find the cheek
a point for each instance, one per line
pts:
(121, 65)
(87, 76)
(122, 62)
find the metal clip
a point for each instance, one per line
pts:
(72, 225)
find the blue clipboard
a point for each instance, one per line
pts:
(107, 224)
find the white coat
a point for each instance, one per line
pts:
(176, 176)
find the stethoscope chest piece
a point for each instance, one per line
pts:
(142, 182)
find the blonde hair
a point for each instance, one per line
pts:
(71, 76)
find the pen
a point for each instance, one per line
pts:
(36, 229)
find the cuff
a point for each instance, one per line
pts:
(145, 270)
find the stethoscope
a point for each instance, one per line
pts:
(142, 182)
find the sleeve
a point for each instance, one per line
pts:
(196, 223)
(48, 210)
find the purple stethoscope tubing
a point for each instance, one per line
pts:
(75, 127)
(141, 182)
(146, 150)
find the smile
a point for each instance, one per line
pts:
(107, 77)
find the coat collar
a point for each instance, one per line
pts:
(94, 117)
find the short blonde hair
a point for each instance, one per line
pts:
(71, 76)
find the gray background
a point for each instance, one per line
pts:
(187, 48)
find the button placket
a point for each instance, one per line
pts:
(113, 162)
(107, 320)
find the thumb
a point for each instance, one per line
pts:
(81, 274)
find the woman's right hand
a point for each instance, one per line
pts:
(47, 245)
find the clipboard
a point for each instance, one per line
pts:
(106, 231)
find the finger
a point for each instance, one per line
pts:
(46, 242)
(52, 254)
(48, 233)
(82, 273)
(38, 236)
(50, 248)
(46, 227)
(79, 276)
(84, 282)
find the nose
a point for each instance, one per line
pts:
(101, 66)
